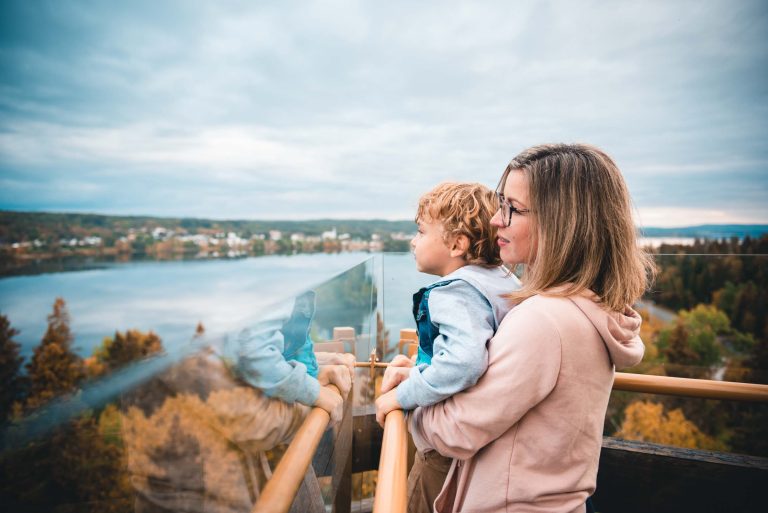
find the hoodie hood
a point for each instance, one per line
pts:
(492, 283)
(620, 331)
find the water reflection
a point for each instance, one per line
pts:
(195, 425)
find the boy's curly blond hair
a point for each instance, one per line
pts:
(464, 209)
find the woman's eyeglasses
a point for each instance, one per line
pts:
(507, 209)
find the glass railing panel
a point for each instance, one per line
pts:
(400, 281)
(706, 318)
(146, 419)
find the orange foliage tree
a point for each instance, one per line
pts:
(647, 421)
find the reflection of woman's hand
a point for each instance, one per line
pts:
(393, 376)
(338, 375)
(385, 404)
(347, 359)
(331, 402)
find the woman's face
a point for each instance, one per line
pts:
(514, 241)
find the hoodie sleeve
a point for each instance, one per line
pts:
(524, 364)
(465, 321)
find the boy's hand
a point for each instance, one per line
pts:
(331, 402)
(385, 404)
(338, 375)
(393, 376)
(401, 361)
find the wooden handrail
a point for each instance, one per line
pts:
(702, 388)
(391, 484)
(280, 490)
(667, 385)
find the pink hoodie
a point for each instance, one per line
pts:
(527, 436)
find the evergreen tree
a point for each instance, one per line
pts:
(123, 349)
(13, 384)
(55, 369)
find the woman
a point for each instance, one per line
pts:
(527, 436)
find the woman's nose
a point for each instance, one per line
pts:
(496, 220)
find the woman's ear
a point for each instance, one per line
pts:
(460, 246)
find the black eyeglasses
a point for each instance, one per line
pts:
(507, 209)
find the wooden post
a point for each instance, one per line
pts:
(345, 335)
(409, 339)
(391, 486)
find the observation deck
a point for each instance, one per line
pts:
(199, 425)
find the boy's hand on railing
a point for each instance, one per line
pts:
(393, 376)
(338, 375)
(385, 404)
(347, 359)
(331, 402)
(401, 361)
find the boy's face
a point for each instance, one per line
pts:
(432, 252)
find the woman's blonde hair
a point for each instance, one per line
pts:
(581, 215)
(464, 209)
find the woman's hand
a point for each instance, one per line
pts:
(338, 375)
(385, 404)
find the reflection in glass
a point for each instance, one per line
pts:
(199, 427)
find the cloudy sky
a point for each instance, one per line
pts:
(297, 110)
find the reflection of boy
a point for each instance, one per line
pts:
(455, 315)
(277, 357)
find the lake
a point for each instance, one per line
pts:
(170, 298)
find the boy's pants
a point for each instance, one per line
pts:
(426, 480)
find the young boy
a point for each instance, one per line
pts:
(455, 316)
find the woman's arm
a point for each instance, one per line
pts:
(524, 363)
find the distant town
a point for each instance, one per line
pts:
(38, 236)
(28, 237)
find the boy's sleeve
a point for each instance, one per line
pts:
(464, 318)
(261, 364)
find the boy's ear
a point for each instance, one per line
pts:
(460, 246)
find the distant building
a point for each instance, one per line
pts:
(275, 235)
(330, 234)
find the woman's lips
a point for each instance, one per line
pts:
(502, 241)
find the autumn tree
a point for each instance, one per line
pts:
(55, 369)
(647, 421)
(123, 348)
(13, 384)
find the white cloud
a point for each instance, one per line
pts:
(207, 103)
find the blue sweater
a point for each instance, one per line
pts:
(464, 314)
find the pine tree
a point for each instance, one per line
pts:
(122, 349)
(13, 384)
(55, 369)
